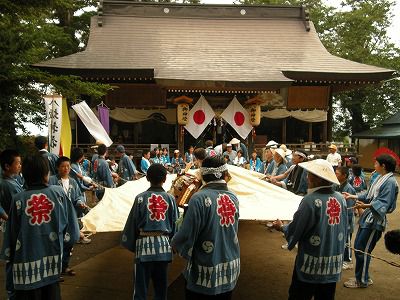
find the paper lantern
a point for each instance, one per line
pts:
(182, 111)
(255, 114)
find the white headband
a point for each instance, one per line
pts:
(215, 171)
(300, 154)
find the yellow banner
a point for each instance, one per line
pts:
(66, 136)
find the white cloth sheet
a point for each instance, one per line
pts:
(258, 200)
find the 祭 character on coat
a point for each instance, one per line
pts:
(342, 174)
(379, 200)
(208, 237)
(10, 161)
(148, 230)
(319, 227)
(42, 221)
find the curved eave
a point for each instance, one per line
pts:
(384, 132)
(340, 77)
(130, 74)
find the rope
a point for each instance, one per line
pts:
(392, 263)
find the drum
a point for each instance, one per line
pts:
(183, 187)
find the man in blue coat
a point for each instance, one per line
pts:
(126, 167)
(208, 237)
(319, 226)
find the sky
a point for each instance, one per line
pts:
(394, 33)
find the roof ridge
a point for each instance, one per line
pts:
(179, 10)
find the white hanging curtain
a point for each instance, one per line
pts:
(129, 115)
(310, 116)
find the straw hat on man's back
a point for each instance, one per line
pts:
(320, 168)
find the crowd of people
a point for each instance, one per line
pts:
(43, 197)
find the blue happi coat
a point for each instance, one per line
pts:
(268, 167)
(384, 203)
(279, 169)
(41, 221)
(208, 240)
(75, 170)
(9, 186)
(319, 227)
(74, 193)
(255, 165)
(347, 188)
(126, 168)
(165, 159)
(102, 172)
(358, 183)
(153, 211)
(144, 164)
(296, 181)
(52, 159)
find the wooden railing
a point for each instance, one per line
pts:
(320, 148)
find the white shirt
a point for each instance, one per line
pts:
(334, 159)
(65, 184)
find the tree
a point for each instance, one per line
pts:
(357, 31)
(32, 31)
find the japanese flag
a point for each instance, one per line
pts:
(199, 117)
(236, 116)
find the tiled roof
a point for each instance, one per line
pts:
(210, 45)
(395, 119)
(384, 132)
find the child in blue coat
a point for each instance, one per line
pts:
(147, 232)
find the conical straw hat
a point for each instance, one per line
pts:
(320, 168)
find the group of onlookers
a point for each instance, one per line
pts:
(43, 203)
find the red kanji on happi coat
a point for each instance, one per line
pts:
(357, 181)
(333, 211)
(95, 165)
(157, 207)
(39, 208)
(226, 210)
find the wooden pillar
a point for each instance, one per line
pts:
(284, 131)
(329, 122)
(310, 132)
(324, 131)
(181, 142)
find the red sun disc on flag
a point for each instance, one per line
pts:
(239, 118)
(199, 117)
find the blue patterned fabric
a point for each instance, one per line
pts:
(126, 168)
(153, 211)
(41, 222)
(384, 203)
(208, 240)
(102, 172)
(9, 186)
(256, 165)
(74, 193)
(319, 227)
(52, 159)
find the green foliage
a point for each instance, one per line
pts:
(356, 31)
(32, 31)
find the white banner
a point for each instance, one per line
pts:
(236, 116)
(53, 105)
(92, 124)
(199, 117)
